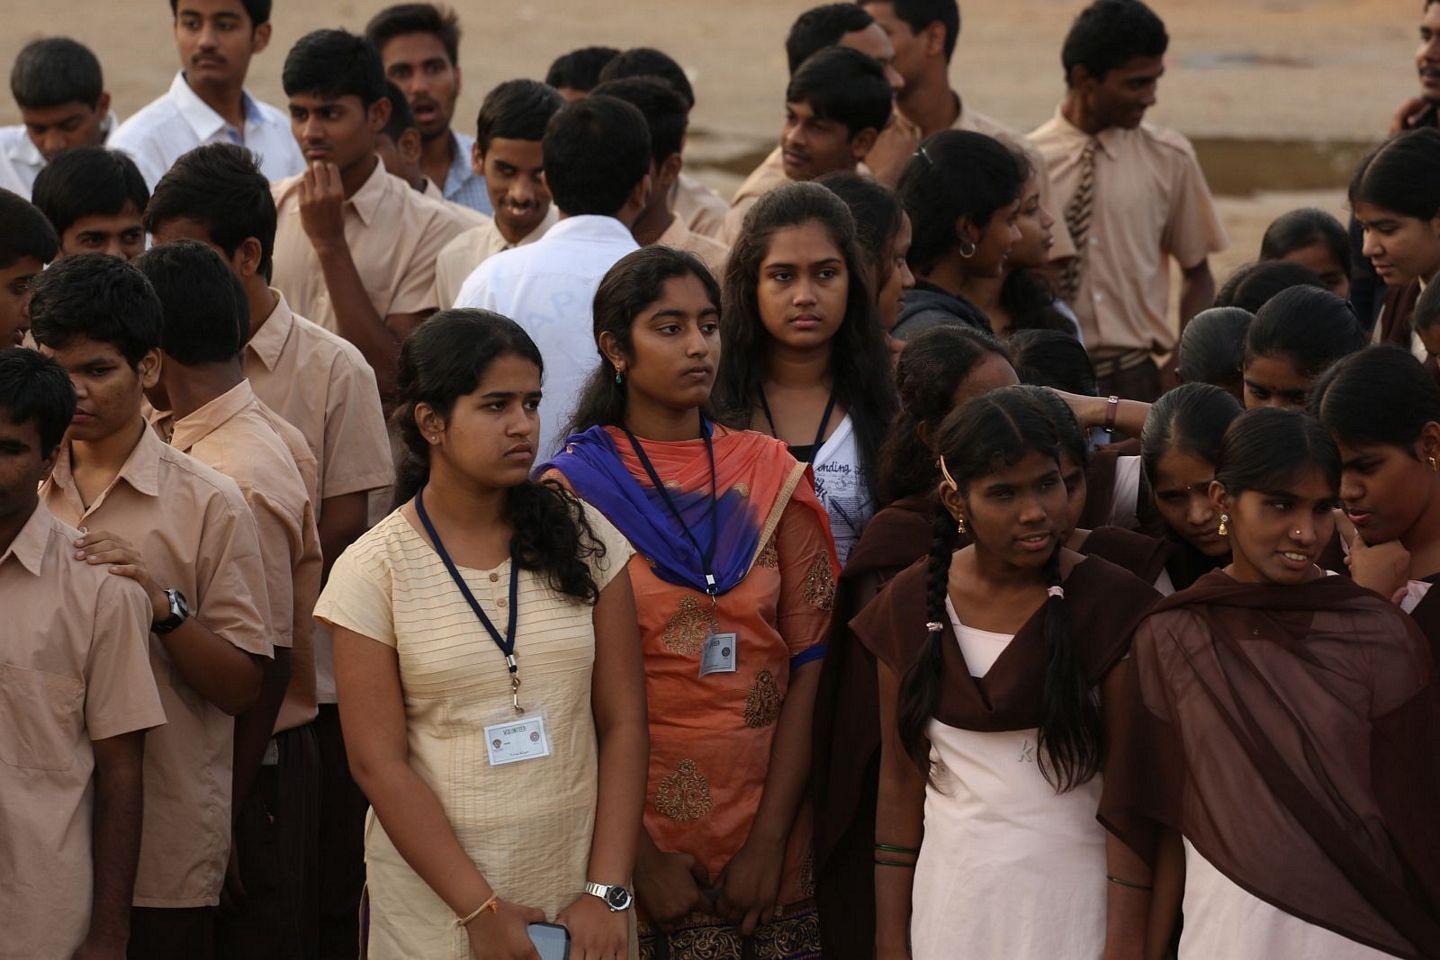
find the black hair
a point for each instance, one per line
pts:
(1311, 327)
(257, 10)
(516, 110)
(649, 62)
(919, 14)
(579, 69)
(1073, 442)
(1380, 395)
(1191, 418)
(1303, 228)
(956, 173)
(636, 281)
(404, 18)
(24, 231)
(87, 182)
(845, 86)
(664, 110)
(1252, 285)
(96, 297)
(1427, 306)
(1402, 175)
(596, 150)
(1109, 34)
(1050, 358)
(1028, 299)
(334, 64)
(36, 389)
(401, 118)
(1212, 346)
(220, 187)
(1267, 448)
(54, 71)
(444, 360)
(859, 359)
(932, 367)
(996, 430)
(821, 27)
(205, 317)
(878, 217)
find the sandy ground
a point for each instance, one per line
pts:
(1301, 69)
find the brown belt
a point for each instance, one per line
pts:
(1128, 360)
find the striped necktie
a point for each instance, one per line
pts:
(1077, 219)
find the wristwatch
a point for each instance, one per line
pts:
(179, 613)
(616, 897)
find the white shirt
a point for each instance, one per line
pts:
(548, 288)
(179, 121)
(21, 161)
(840, 485)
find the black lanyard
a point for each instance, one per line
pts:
(819, 434)
(505, 643)
(707, 554)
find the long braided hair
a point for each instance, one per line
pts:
(987, 433)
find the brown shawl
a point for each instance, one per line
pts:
(1100, 482)
(1291, 733)
(1142, 555)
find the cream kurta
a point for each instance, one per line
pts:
(526, 825)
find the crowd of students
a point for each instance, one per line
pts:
(410, 538)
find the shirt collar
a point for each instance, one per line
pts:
(190, 430)
(29, 544)
(269, 341)
(1108, 139)
(141, 469)
(203, 120)
(366, 200)
(590, 227)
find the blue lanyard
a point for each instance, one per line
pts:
(505, 643)
(707, 554)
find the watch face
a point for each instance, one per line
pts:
(618, 898)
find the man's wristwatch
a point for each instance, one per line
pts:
(616, 897)
(179, 613)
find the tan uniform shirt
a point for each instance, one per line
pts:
(764, 178)
(980, 123)
(236, 435)
(197, 535)
(394, 234)
(1151, 203)
(702, 209)
(711, 252)
(319, 382)
(473, 247)
(74, 668)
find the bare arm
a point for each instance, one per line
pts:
(899, 822)
(1091, 412)
(1127, 903)
(115, 845)
(342, 519)
(1168, 880)
(1197, 291)
(255, 727)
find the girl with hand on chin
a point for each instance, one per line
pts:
(805, 359)
(1280, 724)
(734, 576)
(490, 674)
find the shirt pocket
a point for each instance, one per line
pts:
(40, 718)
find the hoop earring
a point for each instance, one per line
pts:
(1224, 528)
(963, 253)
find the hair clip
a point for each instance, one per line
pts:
(1057, 592)
(925, 156)
(935, 626)
(944, 472)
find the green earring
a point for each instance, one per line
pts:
(619, 378)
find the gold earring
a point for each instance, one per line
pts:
(1434, 467)
(1224, 529)
(960, 526)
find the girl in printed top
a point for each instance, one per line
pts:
(734, 576)
(882, 228)
(489, 673)
(1178, 448)
(1282, 722)
(989, 655)
(804, 357)
(1292, 340)
(1383, 409)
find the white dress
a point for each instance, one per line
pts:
(1008, 868)
(840, 485)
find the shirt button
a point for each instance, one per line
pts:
(1099, 298)
(494, 578)
(502, 603)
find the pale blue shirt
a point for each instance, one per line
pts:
(462, 184)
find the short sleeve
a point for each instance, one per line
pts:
(357, 597)
(416, 290)
(1193, 230)
(233, 601)
(806, 560)
(617, 548)
(357, 444)
(120, 692)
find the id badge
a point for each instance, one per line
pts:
(516, 740)
(720, 654)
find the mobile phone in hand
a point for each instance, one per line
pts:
(550, 940)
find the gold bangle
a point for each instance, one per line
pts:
(1127, 883)
(493, 905)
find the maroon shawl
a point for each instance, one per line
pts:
(1291, 734)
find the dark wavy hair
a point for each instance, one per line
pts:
(1000, 429)
(931, 368)
(635, 282)
(1054, 358)
(859, 364)
(444, 360)
(1310, 326)
(1380, 395)
(1266, 449)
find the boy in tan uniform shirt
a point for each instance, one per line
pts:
(76, 698)
(184, 532)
